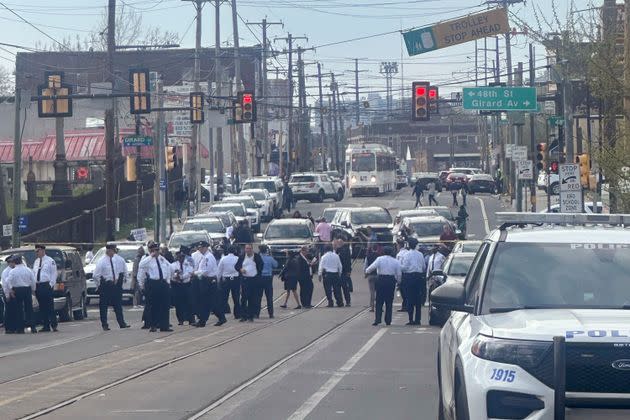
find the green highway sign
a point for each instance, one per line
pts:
(135, 141)
(500, 99)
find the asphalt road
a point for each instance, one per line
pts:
(322, 363)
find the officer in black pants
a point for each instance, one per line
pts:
(389, 272)
(343, 250)
(109, 275)
(10, 313)
(250, 266)
(21, 282)
(413, 267)
(230, 280)
(45, 270)
(208, 292)
(154, 273)
(330, 268)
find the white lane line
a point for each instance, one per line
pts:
(310, 404)
(484, 215)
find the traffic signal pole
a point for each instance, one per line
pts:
(532, 125)
(109, 125)
(139, 222)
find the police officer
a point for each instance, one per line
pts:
(330, 269)
(45, 270)
(250, 265)
(389, 273)
(345, 280)
(197, 256)
(207, 274)
(230, 281)
(413, 269)
(20, 283)
(402, 251)
(109, 275)
(154, 274)
(182, 268)
(9, 304)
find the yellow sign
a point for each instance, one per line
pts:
(471, 27)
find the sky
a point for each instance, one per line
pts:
(324, 22)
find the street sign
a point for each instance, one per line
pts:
(500, 98)
(457, 31)
(508, 151)
(139, 234)
(571, 202)
(22, 223)
(570, 177)
(525, 169)
(134, 141)
(519, 153)
(178, 141)
(162, 185)
(556, 120)
(7, 230)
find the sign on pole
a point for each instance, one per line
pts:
(525, 169)
(7, 230)
(134, 141)
(22, 223)
(519, 153)
(457, 31)
(508, 150)
(490, 98)
(571, 200)
(139, 234)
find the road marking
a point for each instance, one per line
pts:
(310, 404)
(485, 215)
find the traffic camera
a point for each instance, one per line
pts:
(420, 104)
(541, 156)
(585, 169)
(196, 108)
(434, 96)
(171, 158)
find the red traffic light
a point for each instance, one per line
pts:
(247, 98)
(432, 93)
(82, 173)
(421, 91)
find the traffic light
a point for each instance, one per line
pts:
(585, 169)
(248, 106)
(541, 157)
(420, 104)
(171, 158)
(81, 173)
(434, 96)
(54, 87)
(139, 95)
(196, 108)
(554, 167)
(130, 169)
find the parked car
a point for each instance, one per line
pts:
(482, 183)
(455, 269)
(314, 187)
(552, 179)
(401, 179)
(284, 235)
(443, 175)
(70, 291)
(419, 212)
(238, 210)
(469, 172)
(425, 229)
(330, 212)
(466, 246)
(351, 225)
(264, 201)
(443, 211)
(128, 251)
(226, 217)
(251, 207)
(270, 183)
(213, 225)
(187, 238)
(455, 181)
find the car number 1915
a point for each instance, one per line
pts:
(503, 375)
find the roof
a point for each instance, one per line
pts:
(566, 235)
(289, 222)
(32, 248)
(365, 209)
(426, 219)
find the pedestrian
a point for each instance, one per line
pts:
(305, 276)
(462, 218)
(10, 315)
(432, 193)
(180, 199)
(207, 292)
(371, 255)
(230, 280)
(183, 269)
(269, 264)
(464, 192)
(166, 253)
(413, 269)
(89, 255)
(243, 234)
(21, 282)
(137, 294)
(154, 274)
(45, 270)
(330, 269)
(289, 275)
(287, 197)
(418, 191)
(448, 236)
(343, 250)
(109, 275)
(250, 265)
(297, 215)
(229, 232)
(454, 191)
(324, 230)
(389, 273)
(309, 216)
(402, 251)
(435, 262)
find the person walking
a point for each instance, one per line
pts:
(10, 315)
(435, 262)
(45, 270)
(180, 199)
(183, 269)
(287, 197)
(389, 272)
(250, 265)
(402, 251)
(21, 282)
(343, 250)
(109, 275)
(371, 255)
(464, 192)
(137, 295)
(154, 274)
(207, 288)
(454, 191)
(229, 281)
(413, 269)
(324, 230)
(289, 275)
(432, 193)
(266, 278)
(329, 270)
(418, 191)
(305, 276)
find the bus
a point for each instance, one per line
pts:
(370, 169)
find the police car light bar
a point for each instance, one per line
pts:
(507, 219)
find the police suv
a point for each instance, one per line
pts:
(541, 324)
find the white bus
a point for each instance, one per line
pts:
(371, 169)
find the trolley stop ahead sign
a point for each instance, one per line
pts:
(500, 99)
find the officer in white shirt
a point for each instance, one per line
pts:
(183, 269)
(207, 293)
(230, 281)
(435, 262)
(389, 273)
(45, 270)
(9, 304)
(402, 251)
(330, 269)
(154, 277)
(21, 282)
(413, 269)
(197, 256)
(109, 276)
(250, 265)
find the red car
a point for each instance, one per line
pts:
(455, 181)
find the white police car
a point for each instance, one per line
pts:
(541, 324)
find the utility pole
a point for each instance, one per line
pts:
(532, 125)
(518, 140)
(342, 132)
(237, 79)
(263, 108)
(194, 143)
(110, 210)
(321, 119)
(332, 134)
(17, 169)
(218, 80)
(335, 143)
(357, 99)
(161, 143)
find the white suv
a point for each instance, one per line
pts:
(315, 187)
(540, 322)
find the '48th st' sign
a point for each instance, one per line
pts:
(500, 98)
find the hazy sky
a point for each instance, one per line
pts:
(322, 21)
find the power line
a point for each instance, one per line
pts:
(31, 25)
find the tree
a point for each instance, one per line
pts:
(7, 82)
